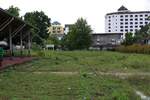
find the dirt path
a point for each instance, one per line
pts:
(96, 73)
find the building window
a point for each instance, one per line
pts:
(136, 22)
(126, 15)
(136, 26)
(126, 26)
(136, 15)
(126, 22)
(136, 19)
(131, 15)
(131, 26)
(109, 24)
(141, 22)
(121, 23)
(121, 30)
(146, 15)
(121, 16)
(141, 18)
(131, 30)
(131, 22)
(109, 30)
(109, 20)
(141, 26)
(121, 19)
(109, 27)
(54, 28)
(141, 15)
(131, 19)
(109, 16)
(146, 23)
(126, 30)
(126, 19)
(146, 18)
(121, 26)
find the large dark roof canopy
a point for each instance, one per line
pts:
(122, 8)
(17, 25)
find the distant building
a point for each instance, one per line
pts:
(124, 20)
(56, 29)
(106, 40)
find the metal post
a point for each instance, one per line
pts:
(29, 43)
(21, 44)
(10, 41)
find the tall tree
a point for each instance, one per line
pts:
(129, 39)
(79, 36)
(13, 10)
(143, 32)
(42, 22)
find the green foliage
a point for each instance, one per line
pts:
(53, 40)
(142, 33)
(36, 47)
(40, 21)
(79, 36)
(129, 39)
(13, 10)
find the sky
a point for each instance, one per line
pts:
(68, 11)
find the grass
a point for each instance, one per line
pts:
(35, 80)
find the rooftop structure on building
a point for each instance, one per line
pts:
(56, 23)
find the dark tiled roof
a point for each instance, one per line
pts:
(56, 23)
(122, 8)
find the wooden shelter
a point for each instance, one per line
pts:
(15, 31)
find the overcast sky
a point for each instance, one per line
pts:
(67, 11)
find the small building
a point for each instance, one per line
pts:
(56, 29)
(102, 41)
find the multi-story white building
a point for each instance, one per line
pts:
(125, 20)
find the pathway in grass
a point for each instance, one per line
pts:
(98, 73)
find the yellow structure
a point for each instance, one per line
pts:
(56, 28)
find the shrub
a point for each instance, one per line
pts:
(135, 48)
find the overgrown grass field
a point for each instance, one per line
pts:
(77, 75)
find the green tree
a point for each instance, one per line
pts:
(42, 22)
(79, 36)
(129, 39)
(142, 33)
(13, 10)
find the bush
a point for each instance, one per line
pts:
(135, 48)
